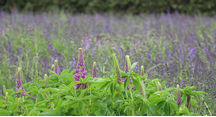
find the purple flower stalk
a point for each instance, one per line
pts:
(52, 69)
(94, 71)
(56, 69)
(188, 101)
(126, 67)
(19, 84)
(179, 101)
(80, 71)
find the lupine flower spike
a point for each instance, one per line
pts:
(188, 101)
(142, 71)
(179, 101)
(126, 68)
(80, 71)
(46, 80)
(118, 73)
(52, 69)
(6, 98)
(19, 84)
(56, 67)
(159, 86)
(94, 71)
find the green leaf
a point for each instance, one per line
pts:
(33, 112)
(58, 107)
(48, 112)
(29, 101)
(66, 103)
(80, 104)
(167, 109)
(156, 100)
(133, 66)
(4, 112)
(136, 83)
(70, 97)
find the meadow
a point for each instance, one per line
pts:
(174, 49)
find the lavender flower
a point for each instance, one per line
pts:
(52, 69)
(179, 101)
(19, 84)
(80, 71)
(94, 71)
(56, 69)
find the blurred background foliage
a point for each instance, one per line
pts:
(207, 7)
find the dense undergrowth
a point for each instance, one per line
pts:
(59, 95)
(173, 47)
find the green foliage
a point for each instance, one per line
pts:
(126, 6)
(103, 97)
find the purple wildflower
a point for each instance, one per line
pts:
(19, 84)
(94, 71)
(80, 71)
(179, 101)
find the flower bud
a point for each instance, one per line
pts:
(179, 101)
(56, 67)
(4, 90)
(142, 71)
(46, 80)
(94, 71)
(118, 73)
(159, 86)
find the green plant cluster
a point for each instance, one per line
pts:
(56, 96)
(120, 6)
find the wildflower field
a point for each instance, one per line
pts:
(58, 64)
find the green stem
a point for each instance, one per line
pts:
(36, 101)
(132, 107)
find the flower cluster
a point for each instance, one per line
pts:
(19, 84)
(80, 71)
